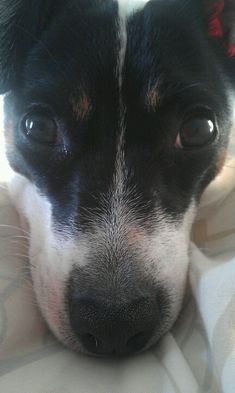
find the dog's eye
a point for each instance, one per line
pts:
(40, 128)
(196, 132)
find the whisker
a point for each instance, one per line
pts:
(15, 237)
(18, 243)
(19, 237)
(4, 226)
(29, 300)
(15, 255)
(18, 255)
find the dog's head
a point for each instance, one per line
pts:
(116, 123)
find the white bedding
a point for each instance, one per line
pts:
(198, 355)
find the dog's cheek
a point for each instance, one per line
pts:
(221, 157)
(8, 132)
(35, 214)
(8, 126)
(170, 249)
(53, 300)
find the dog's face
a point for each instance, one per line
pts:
(117, 123)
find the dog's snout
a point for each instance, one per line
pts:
(107, 327)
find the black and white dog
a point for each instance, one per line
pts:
(117, 116)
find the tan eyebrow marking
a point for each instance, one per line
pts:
(81, 107)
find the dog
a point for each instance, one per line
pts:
(117, 117)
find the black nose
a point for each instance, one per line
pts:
(106, 327)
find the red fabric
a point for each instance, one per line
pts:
(231, 50)
(215, 25)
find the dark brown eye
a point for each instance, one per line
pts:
(40, 128)
(196, 132)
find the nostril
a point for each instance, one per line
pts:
(137, 342)
(91, 342)
(108, 327)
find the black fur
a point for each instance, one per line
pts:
(78, 49)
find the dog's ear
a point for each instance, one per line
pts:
(220, 23)
(21, 22)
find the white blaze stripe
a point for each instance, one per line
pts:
(126, 8)
(122, 32)
(131, 6)
(134, 5)
(122, 45)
